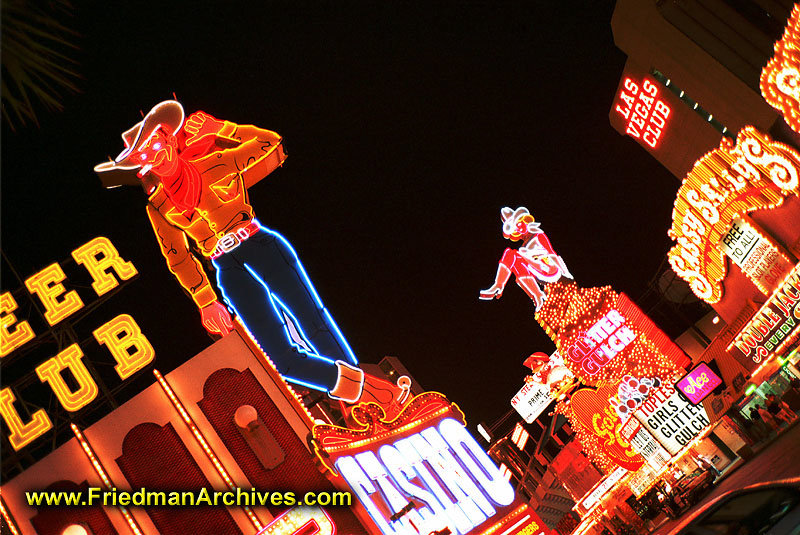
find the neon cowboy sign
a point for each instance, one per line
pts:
(423, 472)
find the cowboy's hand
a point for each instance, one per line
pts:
(199, 125)
(216, 318)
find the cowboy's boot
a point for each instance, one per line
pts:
(349, 384)
(355, 386)
(391, 397)
(531, 287)
(496, 289)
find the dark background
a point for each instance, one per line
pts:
(408, 127)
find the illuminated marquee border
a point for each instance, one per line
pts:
(599, 429)
(571, 311)
(754, 174)
(361, 452)
(328, 439)
(528, 524)
(780, 78)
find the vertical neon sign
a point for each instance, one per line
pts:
(646, 115)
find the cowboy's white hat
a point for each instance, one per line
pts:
(168, 115)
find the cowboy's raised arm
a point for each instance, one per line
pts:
(260, 151)
(255, 151)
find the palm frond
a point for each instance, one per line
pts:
(37, 67)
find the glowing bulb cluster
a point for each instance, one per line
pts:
(101, 472)
(731, 181)
(201, 440)
(780, 78)
(570, 312)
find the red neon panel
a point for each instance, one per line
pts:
(669, 348)
(645, 113)
(591, 410)
(156, 458)
(53, 520)
(226, 390)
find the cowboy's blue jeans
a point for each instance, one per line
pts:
(265, 284)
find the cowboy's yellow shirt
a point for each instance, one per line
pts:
(223, 205)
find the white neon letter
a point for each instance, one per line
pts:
(455, 516)
(433, 449)
(433, 517)
(376, 472)
(477, 462)
(363, 487)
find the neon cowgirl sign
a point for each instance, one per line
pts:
(602, 342)
(646, 115)
(427, 458)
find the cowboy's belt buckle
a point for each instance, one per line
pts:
(228, 242)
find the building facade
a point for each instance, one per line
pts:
(704, 92)
(703, 60)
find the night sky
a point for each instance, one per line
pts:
(407, 130)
